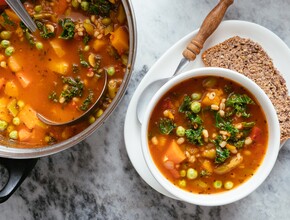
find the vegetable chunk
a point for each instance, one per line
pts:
(174, 153)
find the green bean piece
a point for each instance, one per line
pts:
(217, 184)
(5, 35)
(3, 125)
(182, 183)
(85, 6)
(180, 131)
(39, 45)
(229, 185)
(111, 71)
(196, 96)
(191, 174)
(13, 134)
(38, 8)
(9, 51)
(195, 107)
(5, 43)
(16, 121)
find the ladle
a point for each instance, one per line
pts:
(86, 113)
(209, 25)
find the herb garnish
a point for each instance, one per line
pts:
(88, 101)
(74, 89)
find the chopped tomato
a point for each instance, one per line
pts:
(2, 2)
(255, 133)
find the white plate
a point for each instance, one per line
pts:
(166, 65)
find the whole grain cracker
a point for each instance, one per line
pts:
(249, 58)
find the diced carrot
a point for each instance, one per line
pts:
(174, 153)
(208, 100)
(24, 81)
(206, 164)
(13, 64)
(11, 14)
(28, 116)
(24, 134)
(255, 133)
(120, 40)
(61, 6)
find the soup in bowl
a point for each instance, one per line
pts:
(210, 136)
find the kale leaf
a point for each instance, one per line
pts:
(185, 105)
(7, 20)
(88, 101)
(166, 125)
(221, 154)
(239, 103)
(100, 7)
(194, 135)
(68, 31)
(194, 118)
(226, 126)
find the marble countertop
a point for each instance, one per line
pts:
(96, 180)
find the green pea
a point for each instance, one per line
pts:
(182, 173)
(5, 43)
(209, 82)
(111, 71)
(217, 184)
(3, 125)
(13, 134)
(9, 51)
(75, 3)
(85, 6)
(16, 121)
(5, 35)
(106, 21)
(99, 113)
(182, 183)
(195, 107)
(39, 45)
(38, 8)
(229, 185)
(180, 131)
(191, 174)
(196, 96)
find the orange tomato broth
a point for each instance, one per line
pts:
(32, 74)
(205, 178)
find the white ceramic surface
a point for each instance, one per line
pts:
(263, 171)
(165, 66)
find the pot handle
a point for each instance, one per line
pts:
(18, 170)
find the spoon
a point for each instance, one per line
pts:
(81, 117)
(19, 9)
(209, 25)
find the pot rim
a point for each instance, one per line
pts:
(26, 153)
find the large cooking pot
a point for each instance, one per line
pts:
(19, 161)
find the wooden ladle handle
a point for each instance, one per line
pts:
(209, 25)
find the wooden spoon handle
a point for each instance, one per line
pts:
(209, 25)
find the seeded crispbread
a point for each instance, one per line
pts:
(248, 57)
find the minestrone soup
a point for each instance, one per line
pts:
(208, 135)
(59, 70)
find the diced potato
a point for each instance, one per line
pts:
(57, 48)
(60, 67)
(120, 40)
(24, 134)
(11, 89)
(121, 16)
(99, 45)
(13, 64)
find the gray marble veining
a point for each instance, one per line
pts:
(96, 180)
